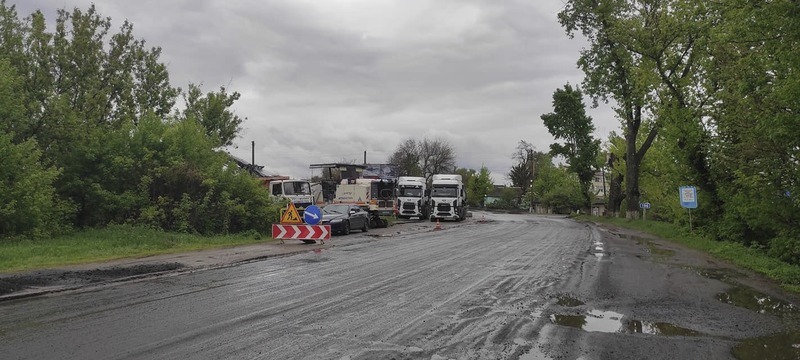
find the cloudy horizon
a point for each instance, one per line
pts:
(324, 81)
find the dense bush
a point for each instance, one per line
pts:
(27, 197)
(90, 136)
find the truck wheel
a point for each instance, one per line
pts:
(346, 230)
(433, 219)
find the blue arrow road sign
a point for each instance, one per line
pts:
(644, 205)
(688, 196)
(312, 215)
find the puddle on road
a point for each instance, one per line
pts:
(611, 322)
(652, 247)
(759, 302)
(568, 301)
(718, 274)
(594, 321)
(778, 346)
(598, 249)
(658, 328)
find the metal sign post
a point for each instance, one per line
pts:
(644, 206)
(688, 197)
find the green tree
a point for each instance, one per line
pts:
(407, 157)
(424, 157)
(614, 71)
(212, 111)
(614, 164)
(755, 75)
(569, 122)
(521, 173)
(27, 197)
(467, 175)
(480, 186)
(557, 189)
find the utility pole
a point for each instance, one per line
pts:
(533, 176)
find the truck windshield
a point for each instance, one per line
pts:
(296, 188)
(410, 192)
(444, 191)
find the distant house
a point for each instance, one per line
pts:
(495, 197)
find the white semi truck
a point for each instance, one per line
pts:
(448, 198)
(413, 199)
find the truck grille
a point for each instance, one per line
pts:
(408, 206)
(443, 207)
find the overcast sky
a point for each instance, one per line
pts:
(325, 80)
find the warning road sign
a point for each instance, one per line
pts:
(291, 216)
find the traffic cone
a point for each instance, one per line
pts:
(438, 225)
(483, 218)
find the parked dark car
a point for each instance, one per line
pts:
(342, 218)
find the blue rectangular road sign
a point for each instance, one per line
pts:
(644, 205)
(688, 196)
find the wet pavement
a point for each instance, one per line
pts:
(496, 286)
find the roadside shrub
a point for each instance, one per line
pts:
(27, 198)
(785, 248)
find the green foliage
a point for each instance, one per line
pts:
(523, 173)
(479, 186)
(712, 90)
(86, 128)
(212, 111)
(569, 122)
(27, 201)
(557, 188)
(786, 248)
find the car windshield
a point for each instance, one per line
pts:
(410, 192)
(335, 209)
(296, 188)
(444, 191)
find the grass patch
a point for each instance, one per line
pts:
(787, 275)
(113, 242)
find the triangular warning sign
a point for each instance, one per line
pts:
(291, 216)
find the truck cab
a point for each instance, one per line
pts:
(412, 198)
(296, 191)
(448, 198)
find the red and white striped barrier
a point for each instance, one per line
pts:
(301, 232)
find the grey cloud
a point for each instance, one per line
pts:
(318, 86)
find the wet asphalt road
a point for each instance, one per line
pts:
(514, 287)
